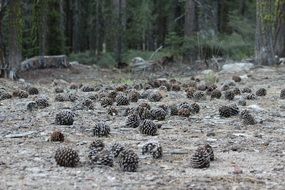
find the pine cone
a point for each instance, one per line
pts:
(158, 114)
(93, 97)
(175, 87)
(60, 98)
(112, 111)
(122, 100)
(66, 157)
(225, 87)
(236, 91)
(236, 78)
(173, 109)
(199, 95)
(282, 94)
(112, 95)
(200, 158)
(105, 101)
(104, 157)
(145, 94)
(116, 149)
(143, 112)
(229, 95)
(228, 111)
(101, 129)
(121, 88)
(4, 95)
(202, 87)
(261, 92)
(190, 92)
(195, 108)
(133, 96)
(58, 90)
(184, 112)
(33, 90)
(152, 148)
(154, 96)
(31, 106)
(209, 152)
(57, 136)
(216, 94)
(249, 96)
(133, 121)
(247, 118)
(97, 145)
(184, 105)
(65, 117)
(72, 97)
(242, 102)
(128, 161)
(148, 127)
(42, 103)
(88, 104)
(74, 86)
(87, 89)
(246, 90)
(20, 94)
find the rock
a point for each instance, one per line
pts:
(237, 67)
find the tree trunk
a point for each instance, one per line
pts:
(223, 17)
(191, 18)
(14, 51)
(75, 33)
(264, 52)
(120, 14)
(3, 63)
(279, 41)
(242, 7)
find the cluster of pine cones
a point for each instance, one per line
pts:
(144, 117)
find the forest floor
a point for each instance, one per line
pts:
(246, 157)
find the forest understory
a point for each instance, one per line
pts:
(246, 156)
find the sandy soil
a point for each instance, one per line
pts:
(257, 151)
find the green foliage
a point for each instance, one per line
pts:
(88, 58)
(146, 55)
(107, 60)
(55, 35)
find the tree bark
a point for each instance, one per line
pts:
(120, 14)
(223, 17)
(264, 52)
(279, 41)
(14, 51)
(75, 33)
(191, 18)
(3, 63)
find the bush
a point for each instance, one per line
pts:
(87, 58)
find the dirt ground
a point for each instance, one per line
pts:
(246, 157)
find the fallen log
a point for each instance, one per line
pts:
(44, 62)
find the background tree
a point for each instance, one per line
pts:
(264, 52)
(279, 40)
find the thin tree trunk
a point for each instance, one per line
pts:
(75, 33)
(279, 41)
(242, 7)
(264, 52)
(120, 13)
(14, 51)
(191, 18)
